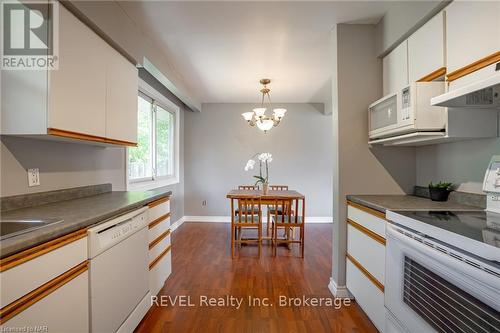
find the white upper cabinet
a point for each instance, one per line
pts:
(472, 32)
(426, 49)
(77, 90)
(395, 69)
(121, 98)
(92, 96)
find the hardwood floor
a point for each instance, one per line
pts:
(202, 266)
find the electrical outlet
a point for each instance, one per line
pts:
(204, 203)
(33, 177)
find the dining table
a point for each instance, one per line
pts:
(268, 198)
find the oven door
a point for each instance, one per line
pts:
(427, 289)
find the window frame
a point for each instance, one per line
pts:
(154, 181)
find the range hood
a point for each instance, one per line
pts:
(482, 94)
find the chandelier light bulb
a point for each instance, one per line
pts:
(247, 115)
(279, 113)
(259, 112)
(265, 125)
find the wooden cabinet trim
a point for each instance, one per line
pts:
(365, 272)
(18, 306)
(158, 202)
(121, 142)
(367, 232)
(36, 251)
(367, 210)
(475, 66)
(159, 238)
(152, 224)
(161, 255)
(434, 75)
(88, 137)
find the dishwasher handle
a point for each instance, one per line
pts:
(105, 235)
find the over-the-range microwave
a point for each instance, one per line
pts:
(407, 111)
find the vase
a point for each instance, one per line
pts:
(265, 188)
(439, 194)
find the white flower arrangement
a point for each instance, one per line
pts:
(264, 158)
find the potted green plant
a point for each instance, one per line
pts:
(440, 191)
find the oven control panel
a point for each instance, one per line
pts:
(491, 185)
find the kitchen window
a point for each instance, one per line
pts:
(154, 162)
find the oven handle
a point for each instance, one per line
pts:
(477, 274)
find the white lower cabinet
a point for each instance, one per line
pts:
(46, 288)
(159, 273)
(369, 253)
(64, 310)
(365, 263)
(160, 256)
(367, 295)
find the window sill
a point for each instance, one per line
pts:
(151, 184)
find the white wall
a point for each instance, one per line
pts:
(357, 82)
(463, 163)
(61, 165)
(219, 142)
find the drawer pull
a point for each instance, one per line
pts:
(159, 239)
(158, 202)
(365, 272)
(367, 210)
(31, 253)
(367, 232)
(161, 255)
(152, 224)
(18, 306)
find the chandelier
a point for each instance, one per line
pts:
(258, 115)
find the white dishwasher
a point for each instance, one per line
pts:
(119, 273)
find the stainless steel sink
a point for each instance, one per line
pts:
(11, 228)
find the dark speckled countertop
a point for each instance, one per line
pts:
(407, 202)
(77, 213)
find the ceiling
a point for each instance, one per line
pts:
(222, 49)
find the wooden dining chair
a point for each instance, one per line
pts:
(271, 208)
(246, 217)
(278, 187)
(247, 187)
(292, 217)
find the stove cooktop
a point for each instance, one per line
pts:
(480, 226)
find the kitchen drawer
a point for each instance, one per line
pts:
(158, 228)
(65, 307)
(367, 217)
(159, 271)
(159, 208)
(367, 295)
(159, 245)
(370, 253)
(31, 274)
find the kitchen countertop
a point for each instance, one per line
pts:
(407, 202)
(76, 213)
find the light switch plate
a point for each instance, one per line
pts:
(33, 177)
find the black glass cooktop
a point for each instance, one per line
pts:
(477, 225)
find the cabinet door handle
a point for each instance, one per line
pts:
(18, 306)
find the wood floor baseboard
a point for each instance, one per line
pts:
(339, 291)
